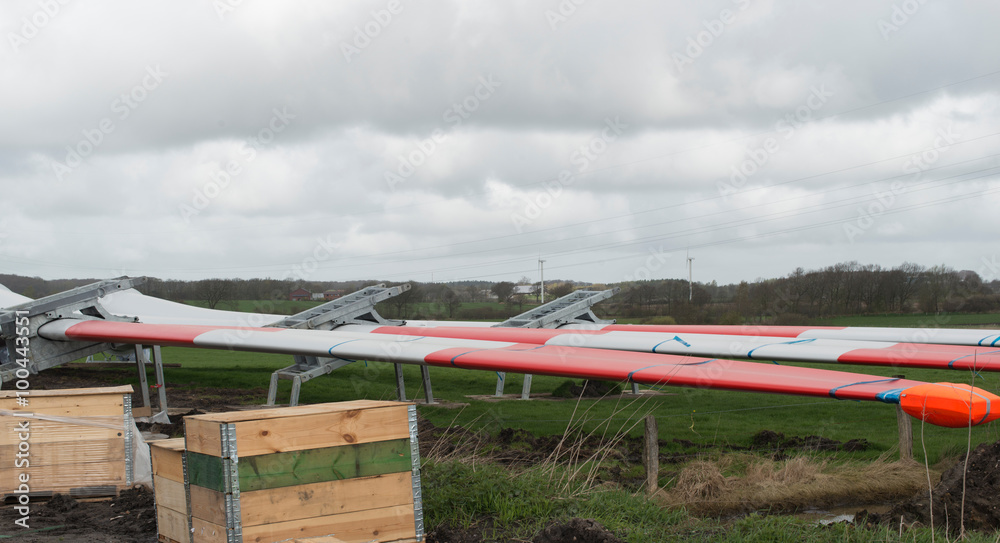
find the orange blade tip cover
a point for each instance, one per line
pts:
(950, 405)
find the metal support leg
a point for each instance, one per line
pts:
(296, 389)
(161, 385)
(400, 385)
(425, 374)
(272, 391)
(140, 364)
(501, 377)
(635, 388)
(526, 387)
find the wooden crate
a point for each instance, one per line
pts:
(170, 491)
(72, 449)
(348, 470)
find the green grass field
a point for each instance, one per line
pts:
(944, 320)
(699, 415)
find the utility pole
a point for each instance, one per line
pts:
(541, 275)
(690, 284)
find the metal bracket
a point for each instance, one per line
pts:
(418, 500)
(574, 308)
(570, 309)
(127, 434)
(305, 368)
(231, 482)
(78, 303)
(355, 308)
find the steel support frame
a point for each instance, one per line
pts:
(574, 308)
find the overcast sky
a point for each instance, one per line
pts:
(467, 140)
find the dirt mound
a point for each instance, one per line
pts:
(175, 429)
(767, 440)
(446, 533)
(588, 389)
(982, 486)
(576, 530)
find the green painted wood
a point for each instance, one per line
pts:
(205, 471)
(321, 465)
(303, 467)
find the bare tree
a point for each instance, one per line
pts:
(452, 301)
(503, 291)
(214, 291)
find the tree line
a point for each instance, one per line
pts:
(847, 288)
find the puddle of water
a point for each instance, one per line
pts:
(831, 515)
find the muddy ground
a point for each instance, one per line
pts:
(962, 493)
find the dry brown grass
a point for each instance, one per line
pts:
(740, 483)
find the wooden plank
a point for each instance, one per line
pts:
(306, 501)
(203, 531)
(169, 494)
(167, 458)
(383, 524)
(319, 540)
(304, 467)
(124, 389)
(209, 505)
(202, 436)
(175, 444)
(343, 427)
(325, 499)
(172, 525)
(70, 452)
(65, 477)
(43, 431)
(297, 411)
(96, 405)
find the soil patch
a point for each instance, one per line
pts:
(128, 518)
(982, 486)
(576, 529)
(780, 445)
(188, 395)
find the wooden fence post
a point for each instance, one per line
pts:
(651, 455)
(905, 424)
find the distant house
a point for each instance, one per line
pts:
(524, 289)
(300, 294)
(332, 294)
(317, 296)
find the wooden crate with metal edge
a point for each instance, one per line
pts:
(72, 441)
(349, 470)
(173, 512)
